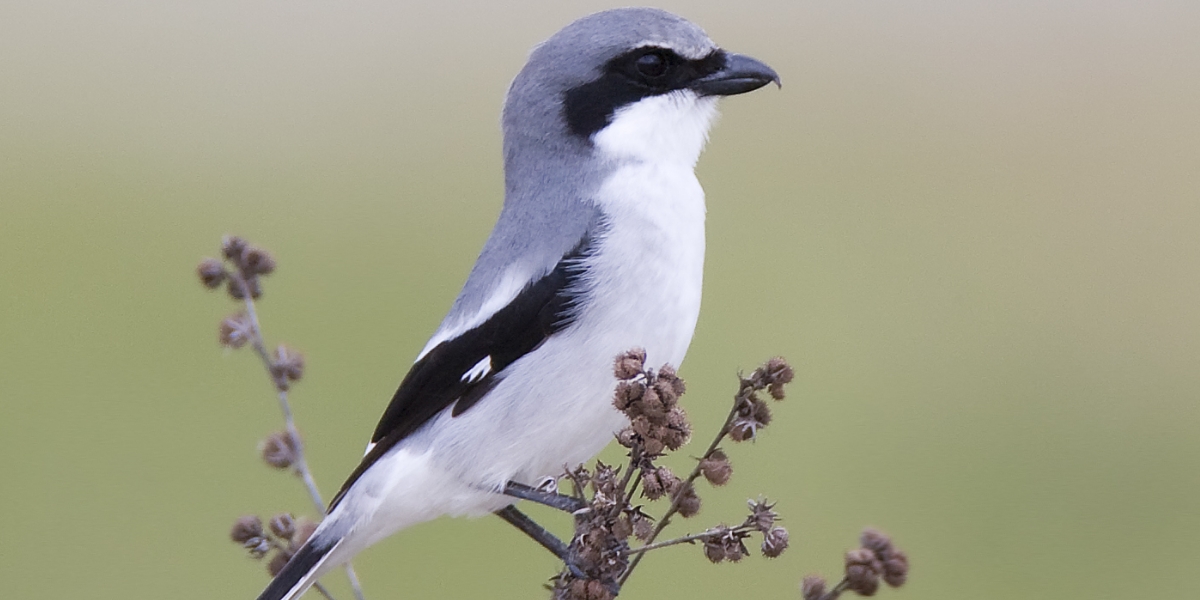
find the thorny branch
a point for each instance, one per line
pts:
(748, 414)
(600, 549)
(281, 392)
(678, 498)
(283, 450)
(600, 559)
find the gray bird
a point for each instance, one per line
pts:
(599, 248)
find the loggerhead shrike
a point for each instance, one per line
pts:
(599, 248)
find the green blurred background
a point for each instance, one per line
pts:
(972, 226)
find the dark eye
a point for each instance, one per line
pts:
(651, 64)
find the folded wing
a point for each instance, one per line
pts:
(458, 373)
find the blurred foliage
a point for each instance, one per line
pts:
(971, 227)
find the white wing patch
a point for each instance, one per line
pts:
(479, 371)
(511, 284)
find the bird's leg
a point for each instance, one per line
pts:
(530, 528)
(562, 502)
(539, 534)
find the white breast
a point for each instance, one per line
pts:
(648, 272)
(646, 275)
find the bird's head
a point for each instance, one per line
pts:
(630, 83)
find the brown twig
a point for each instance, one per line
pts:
(301, 462)
(243, 283)
(677, 498)
(837, 590)
(708, 533)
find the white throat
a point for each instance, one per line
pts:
(649, 267)
(669, 128)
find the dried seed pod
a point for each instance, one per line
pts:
(622, 528)
(761, 414)
(752, 416)
(741, 430)
(670, 481)
(813, 587)
(237, 288)
(775, 541)
(677, 419)
(630, 364)
(667, 374)
(583, 589)
(626, 437)
(643, 528)
(778, 370)
(279, 450)
(235, 331)
(651, 405)
(862, 571)
(762, 515)
(287, 367)
(876, 541)
(233, 247)
(283, 525)
(666, 392)
(246, 528)
(257, 546)
(257, 261)
(714, 551)
(605, 480)
(689, 504)
(627, 394)
(653, 486)
(653, 446)
(211, 272)
(641, 426)
(716, 468)
(735, 549)
(673, 438)
(895, 569)
(255, 287)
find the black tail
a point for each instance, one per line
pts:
(297, 572)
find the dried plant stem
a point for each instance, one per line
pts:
(627, 489)
(837, 590)
(301, 462)
(682, 540)
(679, 495)
(632, 489)
(354, 584)
(324, 592)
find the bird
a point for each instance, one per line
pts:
(598, 248)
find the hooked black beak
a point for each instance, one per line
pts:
(740, 74)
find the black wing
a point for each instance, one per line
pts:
(459, 372)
